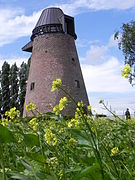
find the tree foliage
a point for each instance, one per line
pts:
(22, 85)
(126, 42)
(14, 87)
(13, 83)
(5, 86)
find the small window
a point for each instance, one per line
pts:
(53, 29)
(32, 86)
(73, 59)
(77, 84)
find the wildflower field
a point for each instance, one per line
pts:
(50, 146)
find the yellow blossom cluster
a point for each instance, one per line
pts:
(4, 122)
(50, 137)
(72, 141)
(12, 113)
(34, 124)
(62, 103)
(114, 151)
(80, 104)
(53, 163)
(56, 110)
(89, 108)
(30, 107)
(73, 123)
(126, 71)
(56, 84)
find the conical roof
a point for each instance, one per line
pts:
(50, 16)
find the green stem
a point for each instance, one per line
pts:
(97, 152)
(115, 167)
(111, 111)
(69, 95)
(2, 163)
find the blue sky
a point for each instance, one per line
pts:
(96, 21)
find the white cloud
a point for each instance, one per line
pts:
(106, 77)
(98, 54)
(78, 6)
(102, 71)
(117, 105)
(102, 75)
(14, 24)
(11, 61)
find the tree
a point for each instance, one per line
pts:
(0, 97)
(22, 85)
(126, 42)
(14, 87)
(5, 87)
(28, 67)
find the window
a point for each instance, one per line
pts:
(77, 84)
(32, 86)
(53, 29)
(73, 59)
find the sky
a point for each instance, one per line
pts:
(96, 22)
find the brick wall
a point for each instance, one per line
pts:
(54, 56)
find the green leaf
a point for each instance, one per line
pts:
(6, 136)
(93, 172)
(82, 139)
(27, 166)
(78, 133)
(36, 157)
(21, 176)
(31, 140)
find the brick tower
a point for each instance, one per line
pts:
(54, 56)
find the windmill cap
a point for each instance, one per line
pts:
(50, 16)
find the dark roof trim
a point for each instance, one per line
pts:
(28, 47)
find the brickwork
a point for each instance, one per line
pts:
(54, 56)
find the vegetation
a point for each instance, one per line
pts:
(5, 86)
(13, 82)
(126, 42)
(50, 146)
(14, 87)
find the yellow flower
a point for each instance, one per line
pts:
(12, 113)
(50, 137)
(77, 110)
(80, 104)
(72, 141)
(30, 107)
(56, 84)
(56, 110)
(73, 123)
(114, 151)
(53, 163)
(62, 103)
(5, 122)
(33, 122)
(126, 71)
(89, 108)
